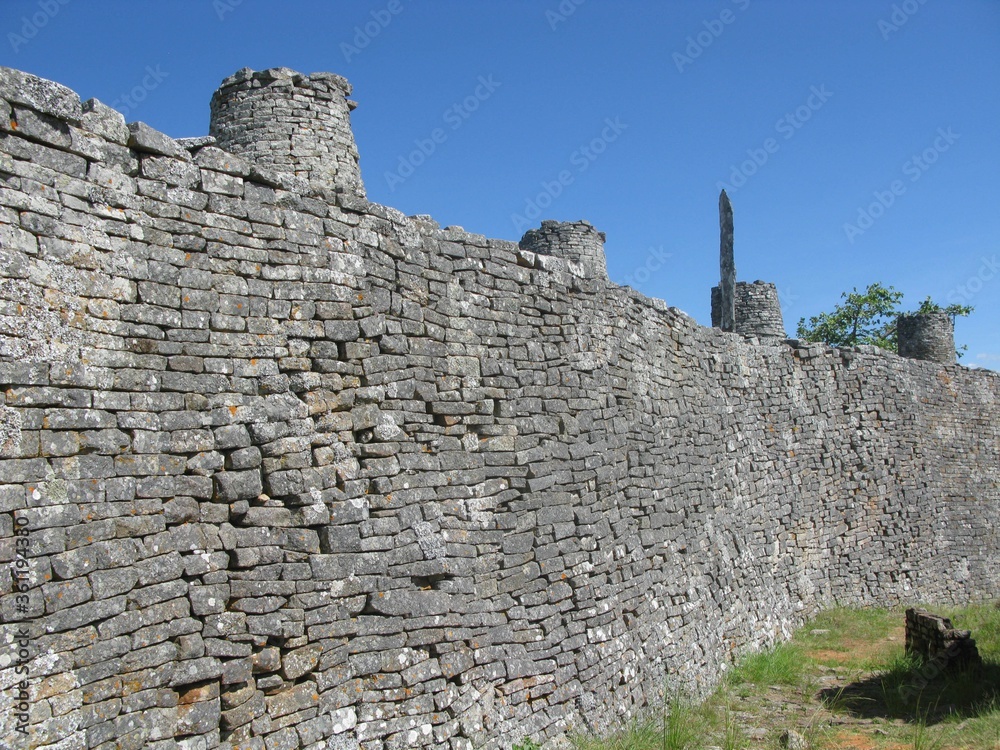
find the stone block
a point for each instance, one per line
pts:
(143, 138)
(232, 486)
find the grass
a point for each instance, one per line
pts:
(843, 681)
(781, 665)
(925, 738)
(679, 727)
(733, 736)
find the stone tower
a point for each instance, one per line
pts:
(758, 310)
(578, 242)
(293, 123)
(929, 336)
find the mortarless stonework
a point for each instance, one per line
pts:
(758, 310)
(309, 474)
(576, 242)
(929, 336)
(299, 125)
(934, 640)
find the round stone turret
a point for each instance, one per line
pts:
(758, 311)
(292, 123)
(929, 336)
(578, 242)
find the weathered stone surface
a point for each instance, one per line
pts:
(39, 94)
(231, 486)
(792, 740)
(577, 243)
(104, 121)
(933, 640)
(198, 142)
(757, 309)
(144, 139)
(244, 122)
(301, 661)
(927, 336)
(411, 603)
(49, 130)
(292, 700)
(10, 432)
(298, 470)
(727, 266)
(171, 171)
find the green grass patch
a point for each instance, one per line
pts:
(984, 622)
(785, 664)
(680, 725)
(847, 663)
(857, 624)
(901, 687)
(853, 638)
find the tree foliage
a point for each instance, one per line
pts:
(930, 306)
(867, 317)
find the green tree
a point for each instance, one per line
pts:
(930, 306)
(867, 317)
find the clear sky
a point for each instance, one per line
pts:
(858, 138)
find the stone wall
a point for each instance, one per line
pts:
(299, 125)
(935, 641)
(929, 336)
(295, 473)
(758, 310)
(576, 242)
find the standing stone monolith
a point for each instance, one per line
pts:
(727, 264)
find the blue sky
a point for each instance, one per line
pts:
(858, 138)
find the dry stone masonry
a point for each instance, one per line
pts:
(929, 336)
(299, 125)
(283, 468)
(576, 242)
(758, 310)
(934, 640)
